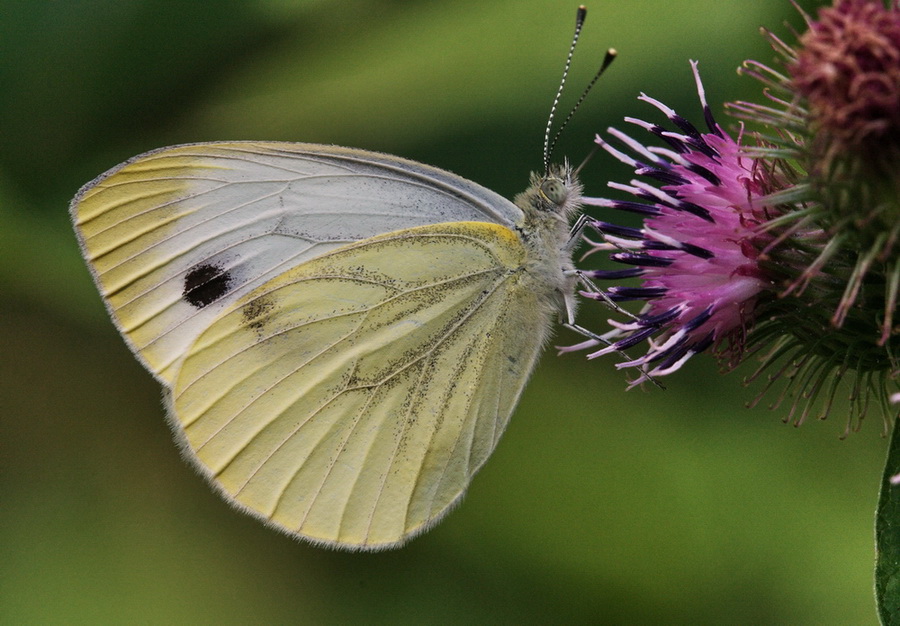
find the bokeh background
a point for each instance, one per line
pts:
(599, 506)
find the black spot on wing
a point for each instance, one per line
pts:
(205, 284)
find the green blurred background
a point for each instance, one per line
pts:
(599, 506)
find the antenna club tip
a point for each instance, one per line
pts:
(611, 54)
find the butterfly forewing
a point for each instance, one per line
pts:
(174, 237)
(351, 399)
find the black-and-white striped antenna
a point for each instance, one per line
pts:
(549, 145)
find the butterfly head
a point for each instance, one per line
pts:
(554, 194)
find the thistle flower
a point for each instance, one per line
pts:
(782, 242)
(697, 252)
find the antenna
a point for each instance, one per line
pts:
(608, 58)
(579, 22)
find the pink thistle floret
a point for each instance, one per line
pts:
(697, 251)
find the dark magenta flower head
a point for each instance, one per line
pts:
(835, 114)
(847, 69)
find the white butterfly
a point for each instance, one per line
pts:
(342, 335)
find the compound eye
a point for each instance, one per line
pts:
(554, 190)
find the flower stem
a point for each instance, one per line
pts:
(887, 537)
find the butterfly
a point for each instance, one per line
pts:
(341, 335)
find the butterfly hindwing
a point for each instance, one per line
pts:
(351, 399)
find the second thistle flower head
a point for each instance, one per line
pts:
(847, 68)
